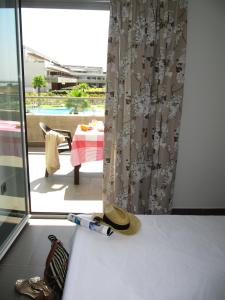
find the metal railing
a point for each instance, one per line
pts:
(35, 101)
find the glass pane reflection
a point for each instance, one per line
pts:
(12, 171)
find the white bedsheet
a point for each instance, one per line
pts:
(171, 258)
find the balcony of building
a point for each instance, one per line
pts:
(58, 193)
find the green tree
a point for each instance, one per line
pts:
(76, 92)
(80, 90)
(77, 104)
(38, 82)
(83, 87)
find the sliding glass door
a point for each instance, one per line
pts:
(13, 162)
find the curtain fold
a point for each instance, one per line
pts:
(145, 79)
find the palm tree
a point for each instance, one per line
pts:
(83, 86)
(38, 82)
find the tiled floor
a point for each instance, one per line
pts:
(27, 256)
(57, 193)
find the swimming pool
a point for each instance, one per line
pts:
(62, 111)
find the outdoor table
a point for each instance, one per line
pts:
(86, 146)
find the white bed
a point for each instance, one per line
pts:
(171, 258)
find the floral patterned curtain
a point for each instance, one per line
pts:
(145, 78)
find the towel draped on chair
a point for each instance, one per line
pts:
(52, 140)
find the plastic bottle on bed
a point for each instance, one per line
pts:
(91, 225)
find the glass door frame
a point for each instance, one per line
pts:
(22, 104)
(20, 69)
(59, 4)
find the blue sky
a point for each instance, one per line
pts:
(76, 37)
(8, 51)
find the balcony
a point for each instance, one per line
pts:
(63, 121)
(57, 193)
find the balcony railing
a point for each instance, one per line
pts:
(60, 101)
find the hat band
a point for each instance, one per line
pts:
(114, 225)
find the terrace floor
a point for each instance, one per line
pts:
(57, 193)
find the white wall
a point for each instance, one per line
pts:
(31, 69)
(200, 177)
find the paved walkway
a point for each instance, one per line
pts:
(57, 193)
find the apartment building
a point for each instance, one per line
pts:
(36, 63)
(91, 75)
(58, 76)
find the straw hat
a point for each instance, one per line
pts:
(119, 219)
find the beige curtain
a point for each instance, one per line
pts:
(145, 78)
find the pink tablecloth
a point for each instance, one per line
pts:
(10, 138)
(87, 146)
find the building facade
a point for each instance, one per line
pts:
(94, 76)
(58, 76)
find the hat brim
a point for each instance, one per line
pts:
(134, 227)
